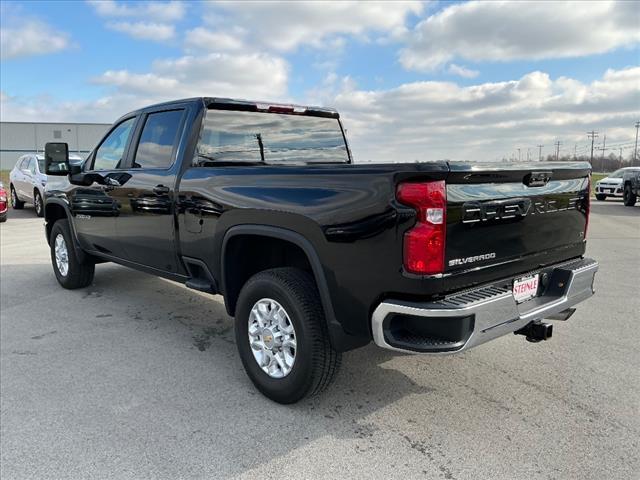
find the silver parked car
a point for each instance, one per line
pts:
(27, 181)
(611, 186)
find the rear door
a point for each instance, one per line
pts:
(514, 218)
(146, 223)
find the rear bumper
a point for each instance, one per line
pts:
(464, 320)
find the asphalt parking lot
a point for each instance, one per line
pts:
(137, 377)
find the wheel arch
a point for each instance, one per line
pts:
(54, 210)
(232, 282)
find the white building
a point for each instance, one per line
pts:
(18, 138)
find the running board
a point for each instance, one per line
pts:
(201, 285)
(200, 277)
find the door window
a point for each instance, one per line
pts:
(158, 140)
(109, 154)
(32, 166)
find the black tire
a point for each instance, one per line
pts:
(601, 197)
(3, 218)
(37, 203)
(316, 362)
(79, 274)
(16, 203)
(628, 196)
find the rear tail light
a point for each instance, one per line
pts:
(424, 244)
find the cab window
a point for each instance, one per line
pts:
(158, 140)
(109, 154)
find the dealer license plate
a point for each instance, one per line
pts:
(525, 288)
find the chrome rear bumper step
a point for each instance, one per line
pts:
(470, 318)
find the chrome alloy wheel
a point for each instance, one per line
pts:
(38, 203)
(62, 255)
(272, 338)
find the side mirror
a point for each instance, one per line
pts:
(56, 159)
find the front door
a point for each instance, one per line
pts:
(95, 207)
(146, 224)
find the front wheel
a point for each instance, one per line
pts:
(16, 203)
(628, 196)
(37, 203)
(282, 337)
(69, 271)
(601, 197)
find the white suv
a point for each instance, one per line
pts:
(27, 181)
(611, 186)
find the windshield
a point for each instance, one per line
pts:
(41, 164)
(236, 136)
(620, 173)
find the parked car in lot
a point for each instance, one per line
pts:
(611, 186)
(27, 181)
(631, 186)
(315, 255)
(4, 203)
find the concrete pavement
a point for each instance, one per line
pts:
(138, 377)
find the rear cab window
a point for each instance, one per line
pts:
(278, 138)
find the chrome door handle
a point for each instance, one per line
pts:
(160, 190)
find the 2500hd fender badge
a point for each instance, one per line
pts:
(476, 258)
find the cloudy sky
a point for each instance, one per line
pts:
(412, 80)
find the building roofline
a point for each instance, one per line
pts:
(55, 123)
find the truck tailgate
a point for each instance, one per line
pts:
(500, 217)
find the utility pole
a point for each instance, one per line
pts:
(557, 144)
(528, 154)
(620, 157)
(593, 135)
(575, 151)
(604, 144)
(635, 150)
(540, 152)
(519, 158)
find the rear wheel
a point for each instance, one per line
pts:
(601, 197)
(282, 336)
(37, 203)
(16, 203)
(69, 271)
(628, 196)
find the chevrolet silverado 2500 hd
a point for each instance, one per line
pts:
(315, 255)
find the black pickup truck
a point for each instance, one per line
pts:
(313, 254)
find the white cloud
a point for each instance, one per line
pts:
(215, 74)
(144, 30)
(462, 71)
(284, 26)
(204, 39)
(31, 37)
(442, 120)
(158, 11)
(154, 20)
(523, 30)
